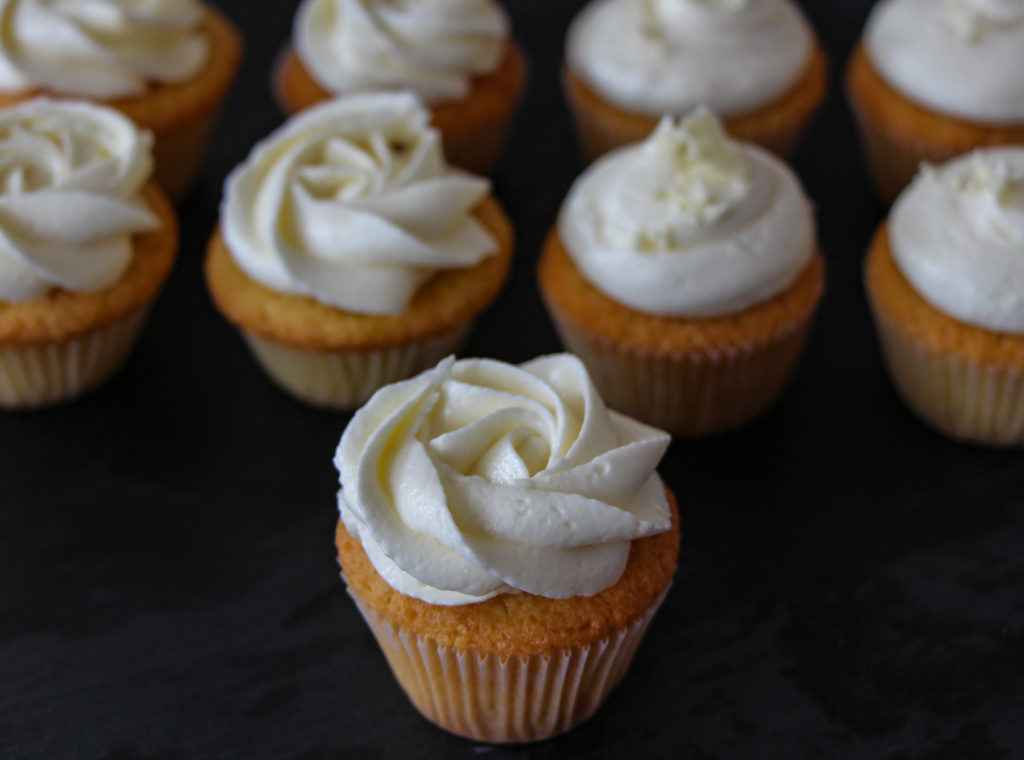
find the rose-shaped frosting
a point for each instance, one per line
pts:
(431, 47)
(963, 58)
(351, 203)
(99, 48)
(478, 478)
(670, 56)
(688, 223)
(957, 234)
(70, 175)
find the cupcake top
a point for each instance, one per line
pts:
(963, 58)
(688, 223)
(431, 47)
(351, 203)
(70, 178)
(957, 234)
(478, 478)
(670, 56)
(99, 48)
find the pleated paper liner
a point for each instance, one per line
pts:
(486, 697)
(776, 126)
(345, 379)
(47, 373)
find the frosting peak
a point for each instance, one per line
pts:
(688, 223)
(70, 175)
(957, 234)
(478, 478)
(99, 48)
(431, 47)
(971, 20)
(351, 203)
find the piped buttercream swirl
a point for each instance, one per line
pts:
(70, 176)
(688, 223)
(670, 56)
(99, 48)
(957, 234)
(352, 204)
(431, 47)
(478, 478)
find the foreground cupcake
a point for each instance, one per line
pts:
(85, 244)
(754, 62)
(507, 540)
(165, 64)
(349, 254)
(684, 272)
(933, 79)
(457, 55)
(945, 278)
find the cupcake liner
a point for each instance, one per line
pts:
(345, 379)
(696, 393)
(47, 373)
(969, 400)
(487, 697)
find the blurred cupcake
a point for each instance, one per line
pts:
(85, 244)
(350, 255)
(165, 64)
(457, 55)
(684, 272)
(945, 278)
(933, 79)
(507, 540)
(756, 63)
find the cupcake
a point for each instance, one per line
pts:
(86, 241)
(684, 272)
(945, 279)
(754, 62)
(349, 254)
(165, 64)
(507, 540)
(457, 55)
(933, 79)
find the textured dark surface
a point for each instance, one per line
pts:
(851, 585)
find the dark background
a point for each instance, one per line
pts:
(851, 585)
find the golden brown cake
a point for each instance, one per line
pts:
(181, 115)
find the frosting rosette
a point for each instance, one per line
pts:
(431, 47)
(70, 176)
(351, 203)
(670, 56)
(688, 223)
(99, 48)
(957, 234)
(478, 478)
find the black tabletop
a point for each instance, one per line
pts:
(851, 584)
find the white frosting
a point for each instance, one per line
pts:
(688, 223)
(963, 58)
(99, 48)
(478, 478)
(670, 56)
(431, 47)
(957, 234)
(352, 204)
(70, 175)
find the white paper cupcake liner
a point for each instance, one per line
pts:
(37, 375)
(346, 379)
(486, 697)
(697, 393)
(965, 399)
